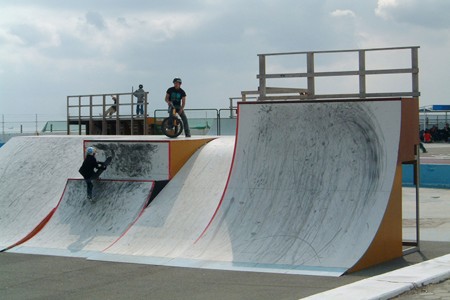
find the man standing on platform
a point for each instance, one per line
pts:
(140, 95)
(176, 97)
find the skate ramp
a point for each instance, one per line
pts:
(34, 170)
(33, 174)
(178, 215)
(308, 189)
(79, 227)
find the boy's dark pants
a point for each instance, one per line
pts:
(89, 187)
(89, 184)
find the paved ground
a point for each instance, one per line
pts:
(46, 277)
(436, 153)
(433, 291)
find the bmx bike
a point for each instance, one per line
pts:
(172, 126)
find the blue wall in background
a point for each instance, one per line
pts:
(431, 176)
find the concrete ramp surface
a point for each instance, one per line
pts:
(178, 215)
(134, 159)
(33, 174)
(79, 228)
(308, 188)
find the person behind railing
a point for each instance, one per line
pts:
(176, 97)
(427, 137)
(139, 94)
(110, 111)
(446, 133)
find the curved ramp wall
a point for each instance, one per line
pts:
(79, 227)
(308, 189)
(33, 174)
(178, 215)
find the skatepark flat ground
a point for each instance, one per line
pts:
(49, 277)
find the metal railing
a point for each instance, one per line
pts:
(217, 115)
(215, 112)
(26, 123)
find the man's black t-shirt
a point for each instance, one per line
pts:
(176, 95)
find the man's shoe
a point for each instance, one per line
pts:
(188, 135)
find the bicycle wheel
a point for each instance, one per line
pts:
(172, 127)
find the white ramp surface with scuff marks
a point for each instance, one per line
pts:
(308, 189)
(137, 160)
(79, 228)
(178, 215)
(33, 174)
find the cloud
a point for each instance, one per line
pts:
(95, 19)
(343, 13)
(385, 7)
(60, 48)
(424, 13)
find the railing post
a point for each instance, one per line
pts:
(131, 116)
(218, 131)
(362, 74)
(262, 76)
(310, 72)
(79, 115)
(145, 114)
(68, 116)
(104, 125)
(90, 107)
(91, 122)
(415, 69)
(117, 114)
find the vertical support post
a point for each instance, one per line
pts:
(417, 174)
(262, 76)
(144, 122)
(90, 107)
(310, 74)
(36, 123)
(218, 131)
(415, 70)
(132, 103)
(117, 114)
(68, 116)
(131, 114)
(362, 74)
(91, 122)
(79, 115)
(104, 125)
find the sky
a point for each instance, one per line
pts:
(50, 49)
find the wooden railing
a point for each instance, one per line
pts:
(265, 92)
